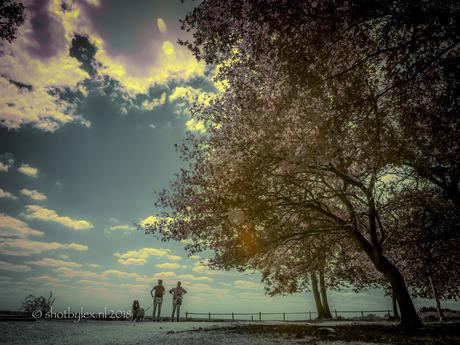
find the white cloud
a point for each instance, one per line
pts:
(174, 257)
(10, 226)
(4, 167)
(242, 284)
(44, 278)
(141, 287)
(26, 169)
(192, 277)
(120, 274)
(194, 126)
(7, 195)
(12, 267)
(33, 194)
(139, 257)
(123, 227)
(70, 273)
(34, 104)
(38, 212)
(23, 247)
(6, 161)
(168, 265)
(54, 263)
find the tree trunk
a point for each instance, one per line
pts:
(322, 284)
(316, 295)
(409, 316)
(438, 302)
(395, 306)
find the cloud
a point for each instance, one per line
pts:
(150, 104)
(28, 170)
(149, 221)
(53, 262)
(158, 275)
(33, 194)
(242, 284)
(201, 267)
(174, 257)
(139, 257)
(184, 93)
(44, 278)
(12, 267)
(4, 167)
(209, 289)
(141, 287)
(70, 273)
(250, 296)
(123, 227)
(34, 65)
(10, 226)
(120, 274)
(192, 277)
(168, 265)
(7, 195)
(22, 247)
(132, 261)
(152, 220)
(194, 126)
(38, 212)
(6, 161)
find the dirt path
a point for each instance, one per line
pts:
(49, 332)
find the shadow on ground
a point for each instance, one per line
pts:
(433, 333)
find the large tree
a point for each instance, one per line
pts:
(323, 100)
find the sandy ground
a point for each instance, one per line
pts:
(59, 332)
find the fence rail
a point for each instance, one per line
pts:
(309, 314)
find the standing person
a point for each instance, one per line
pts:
(158, 298)
(177, 293)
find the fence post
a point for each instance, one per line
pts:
(233, 316)
(310, 314)
(252, 317)
(362, 314)
(260, 316)
(335, 313)
(209, 317)
(284, 316)
(186, 315)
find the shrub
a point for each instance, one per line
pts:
(34, 304)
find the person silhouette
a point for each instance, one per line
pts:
(177, 293)
(158, 298)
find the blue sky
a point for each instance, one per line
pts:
(94, 95)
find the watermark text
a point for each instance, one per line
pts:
(77, 316)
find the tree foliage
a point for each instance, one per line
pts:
(34, 304)
(426, 248)
(11, 16)
(324, 100)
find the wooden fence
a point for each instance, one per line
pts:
(259, 316)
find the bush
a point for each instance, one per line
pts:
(38, 305)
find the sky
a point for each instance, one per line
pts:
(94, 94)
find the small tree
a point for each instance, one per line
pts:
(41, 304)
